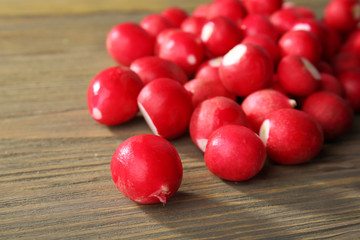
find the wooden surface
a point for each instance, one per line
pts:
(55, 180)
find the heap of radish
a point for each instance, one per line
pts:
(249, 79)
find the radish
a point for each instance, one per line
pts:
(147, 169)
(298, 76)
(331, 84)
(291, 136)
(155, 23)
(233, 9)
(332, 44)
(237, 71)
(127, 42)
(311, 25)
(262, 7)
(212, 114)
(209, 69)
(258, 105)
(183, 49)
(255, 24)
(175, 15)
(325, 67)
(193, 25)
(331, 111)
(219, 35)
(302, 43)
(201, 10)
(350, 82)
(166, 107)
(152, 67)
(205, 88)
(112, 94)
(283, 19)
(345, 61)
(235, 153)
(352, 43)
(342, 15)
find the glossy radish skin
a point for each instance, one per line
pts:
(291, 136)
(269, 45)
(152, 67)
(233, 9)
(331, 84)
(303, 43)
(205, 88)
(184, 49)
(255, 24)
(112, 94)
(246, 68)
(258, 105)
(155, 23)
(298, 76)
(262, 7)
(166, 107)
(219, 35)
(235, 153)
(127, 42)
(350, 82)
(212, 114)
(209, 69)
(311, 25)
(147, 169)
(342, 15)
(331, 111)
(284, 19)
(201, 10)
(193, 25)
(175, 15)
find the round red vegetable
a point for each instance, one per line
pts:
(127, 42)
(291, 136)
(146, 169)
(112, 94)
(155, 23)
(255, 24)
(350, 82)
(331, 111)
(175, 15)
(262, 7)
(343, 15)
(166, 107)
(233, 9)
(235, 153)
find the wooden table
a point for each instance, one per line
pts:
(55, 180)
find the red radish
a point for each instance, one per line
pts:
(352, 43)
(238, 72)
(325, 67)
(209, 69)
(331, 111)
(343, 15)
(255, 24)
(212, 114)
(350, 81)
(311, 25)
(112, 94)
(166, 107)
(305, 12)
(233, 9)
(162, 37)
(175, 15)
(261, 6)
(258, 105)
(267, 43)
(202, 89)
(184, 49)
(331, 84)
(298, 76)
(345, 61)
(301, 43)
(155, 23)
(235, 153)
(127, 42)
(201, 10)
(147, 169)
(291, 136)
(193, 25)
(219, 35)
(332, 44)
(284, 19)
(152, 67)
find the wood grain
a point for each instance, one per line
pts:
(55, 180)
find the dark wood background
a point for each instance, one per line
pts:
(55, 180)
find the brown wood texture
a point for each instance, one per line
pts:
(55, 180)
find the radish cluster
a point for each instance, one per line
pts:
(249, 80)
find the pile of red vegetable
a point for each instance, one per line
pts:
(268, 79)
